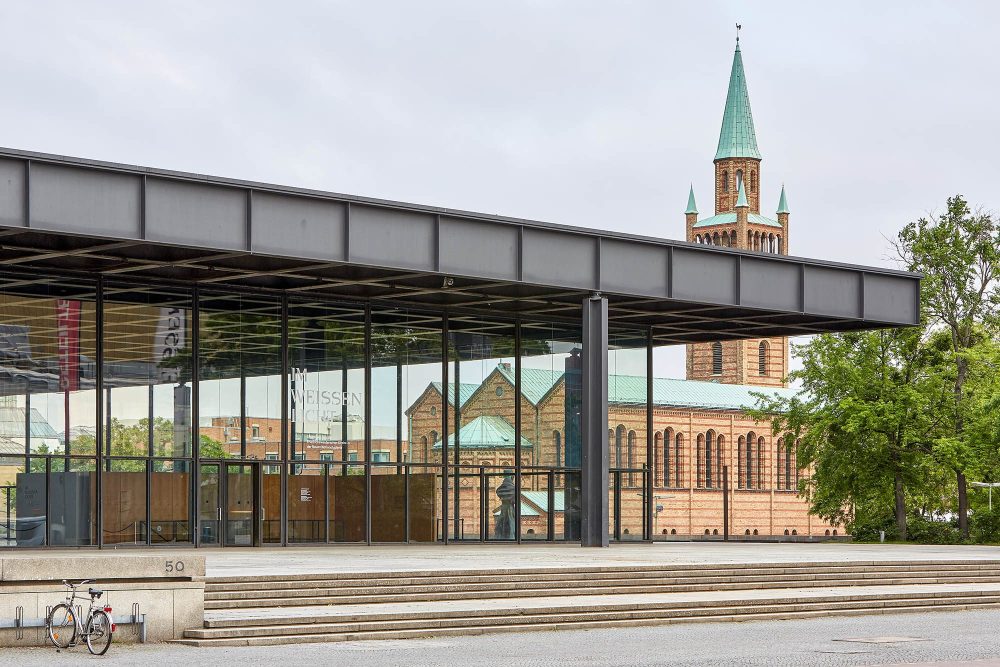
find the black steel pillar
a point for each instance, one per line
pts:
(594, 532)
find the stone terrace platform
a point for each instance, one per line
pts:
(235, 562)
(328, 559)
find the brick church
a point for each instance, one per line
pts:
(699, 422)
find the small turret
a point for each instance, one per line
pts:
(783, 221)
(742, 206)
(691, 214)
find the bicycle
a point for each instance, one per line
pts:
(64, 626)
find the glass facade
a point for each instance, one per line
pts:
(138, 414)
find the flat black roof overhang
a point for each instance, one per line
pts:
(130, 222)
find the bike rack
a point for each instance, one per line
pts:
(136, 620)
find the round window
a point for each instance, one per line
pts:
(499, 391)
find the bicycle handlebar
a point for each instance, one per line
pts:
(81, 583)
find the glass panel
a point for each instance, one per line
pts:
(239, 514)
(47, 370)
(72, 502)
(424, 503)
(170, 506)
(147, 371)
(552, 396)
(22, 501)
(210, 505)
(675, 462)
(240, 370)
(627, 398)
(326, 354)
(124, 506)
(271, 511)
(407, 413)
(307, 503)
(346, 502)
(482, 399)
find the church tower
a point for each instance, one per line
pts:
(737, 223)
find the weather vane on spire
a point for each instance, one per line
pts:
(738, 28)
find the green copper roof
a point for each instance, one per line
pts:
(737, 138)
(783, 202)
(730, 219)
(465, 392)
(691, 205)
(741, 198)
(486, 432)
(535, 382)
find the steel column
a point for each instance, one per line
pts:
(594, 529)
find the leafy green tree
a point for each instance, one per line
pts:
(959, 254)
(863, 421)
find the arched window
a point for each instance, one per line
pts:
(762, 462)
(697, 239)
(677, 460)
(779, 244)
(709, 450)
(732, 238)
(557, 439)
(715, 238)
(762, 358)
(753, 181)
(739, 179)
(424, 448)
(725, 239)
(619, 438)
(749, 239)
(741, 476)
(661, 463)
(756, 240)
(700, 458)
(720, 459)
(795, 466)
(770, 240)
(433, 441)
(716, 358)
(725, 181)
(631, 458)
(780, 484)
(750, 463)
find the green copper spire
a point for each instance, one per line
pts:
(737, 138)
(691, 206)
(783, 203)
(741, 198)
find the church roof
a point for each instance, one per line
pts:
(737, 138)
(465, 392)
(535, 382)
(730, 219)
(486, 432)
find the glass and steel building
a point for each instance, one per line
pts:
(190, 360)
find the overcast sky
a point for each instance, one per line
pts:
(596, 114)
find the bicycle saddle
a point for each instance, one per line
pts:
(95, 592)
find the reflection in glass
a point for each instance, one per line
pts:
(170, 509)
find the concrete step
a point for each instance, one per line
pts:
(562, 574)
(309, 597)
(361, 587)
(299, 629)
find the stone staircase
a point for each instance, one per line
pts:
(398, 605)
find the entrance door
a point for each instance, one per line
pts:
(228, 508)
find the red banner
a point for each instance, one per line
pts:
(68, 343)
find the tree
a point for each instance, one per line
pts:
(863, 422)
(959, 254)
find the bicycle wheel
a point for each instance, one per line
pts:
(99, 632)
(61, 625)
